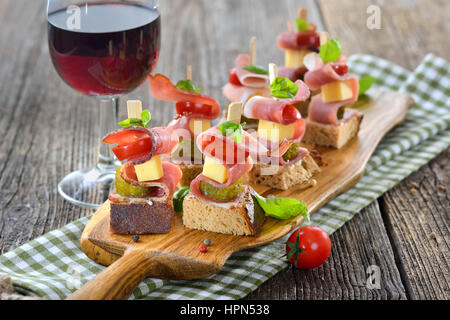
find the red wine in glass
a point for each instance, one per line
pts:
(111, 53)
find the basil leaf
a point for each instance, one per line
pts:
(255, 69)
(331, 50)
(146, 117)
(188, 85)
(132, 123)
(178, 198)
(365, 83)
(229, 128)
(302, 24)
(283, 88)
(283, 208)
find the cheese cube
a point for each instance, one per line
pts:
(294, 58)
(197, 126)
(275, 132)
(214, 170)
(134, 109)
(336, 91)
(150, 170)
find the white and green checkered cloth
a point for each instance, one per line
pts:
(53, 265)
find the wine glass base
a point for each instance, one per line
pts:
(87, 188)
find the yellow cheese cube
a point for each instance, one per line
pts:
(134, 108)
(150, 170)
(275, 132)
(197, 126)
(294, 58)
(214, 170)
(336, 91)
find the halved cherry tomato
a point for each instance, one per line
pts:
(308, 38)
(340, 68)
(131, 144)
(311, 245)
(134, 150)
(290, 115)
(185, 107)
(233, 78)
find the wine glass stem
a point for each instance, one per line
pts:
(109, 108)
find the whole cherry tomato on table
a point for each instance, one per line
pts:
(308, 247)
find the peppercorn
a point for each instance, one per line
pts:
(135, 238)
(207, 241)
(203, 248)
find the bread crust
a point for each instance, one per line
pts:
(244, 218)
(329, 135)
(152, 217)
(286, 176)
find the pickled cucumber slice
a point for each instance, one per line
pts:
(125, 189)
(291, 153)
(226, 194)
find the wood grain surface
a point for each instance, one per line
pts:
(48, 130)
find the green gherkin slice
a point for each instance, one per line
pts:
(291, 153)
(125, 189)
(226, 194)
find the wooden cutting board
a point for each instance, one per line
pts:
(176, 256)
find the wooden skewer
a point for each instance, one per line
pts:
(324, 37)
(273, 72)
(189, 72)
(302, 13)
(290, 26)
(134, 108)
(235, 112)
(253, 50)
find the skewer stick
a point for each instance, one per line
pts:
(189, 72)
(235, 112)
(290, 26)
(324, 37)
(253, 51)
(134, 108)
(273, 72)
(302, 13)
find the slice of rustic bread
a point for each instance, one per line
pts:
(243, 218)
(142, 217)
(329, 135)
(284, 177)
(190, 172)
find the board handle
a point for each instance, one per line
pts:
(118, 281)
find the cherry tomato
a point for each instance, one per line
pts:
(233, 78)
(131, 143)
(195, 108)
(340, 68)
(308, 38)
(311, 246)
(290, 115)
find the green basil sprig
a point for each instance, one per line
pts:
(365, 83)
(256, 69)
(145, 119)
(331, 50)
(229, 128)
(283, 208)
(178, 198)
(283, 88)
(188, 85)
(302, 24)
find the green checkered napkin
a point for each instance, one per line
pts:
(53, 265)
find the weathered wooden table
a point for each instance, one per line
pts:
(48, 130)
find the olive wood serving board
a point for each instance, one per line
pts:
(175, 255)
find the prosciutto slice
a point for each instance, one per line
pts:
(162, 188)
(326, 113)
(290, 40)
(320, 74)
(271, 109)
(292, 74)
(157, 141)
(241, 93)
(163, 89)
(247, 78)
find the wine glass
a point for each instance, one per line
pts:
(102, 48)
